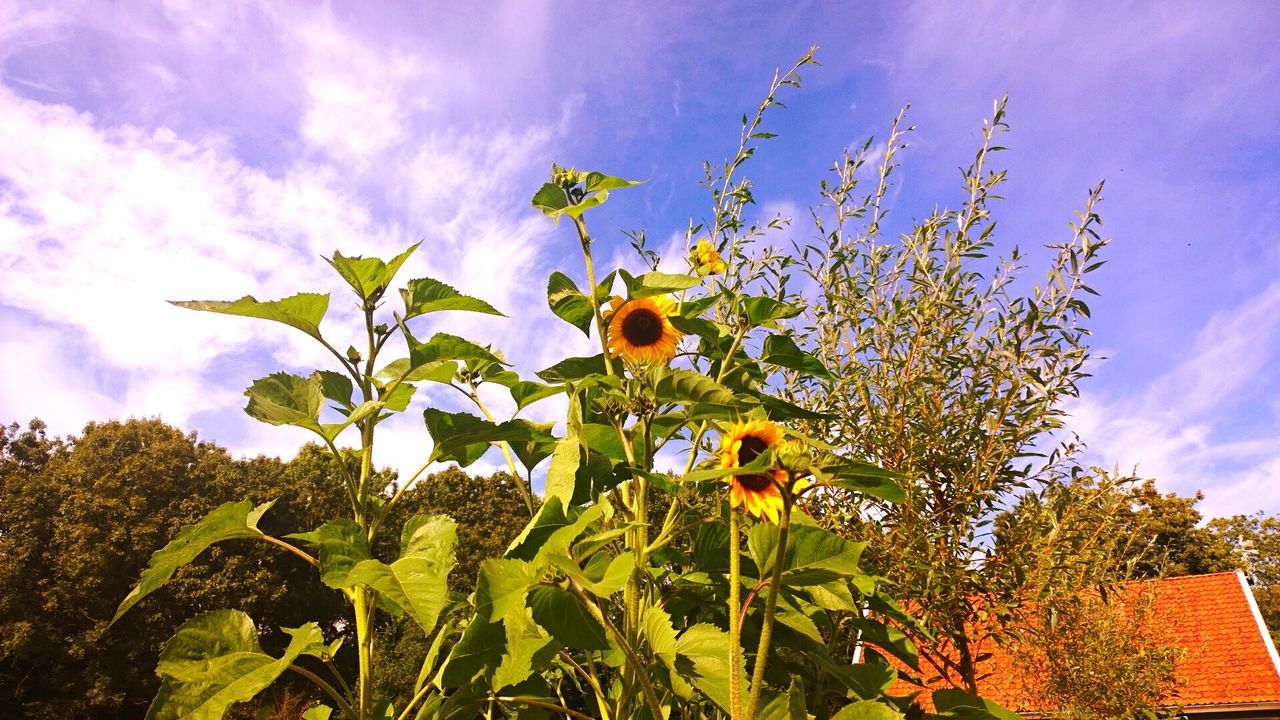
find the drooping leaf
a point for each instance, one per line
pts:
(214, 661)
(602, 578)
(303, 311)
(658, 632)
(416, 581)
(284, 399)
(576, 368)
(335, 386)
(229, 521)
(867, 710)
(463, 437)
(525, 641)
(562, 615)
(476, 654)
(789, 705)
(425, 295)
(782, 351)
(527, 392)
(568, 302)
(703, 660)
(562, 476)
(553, 529)
(952, 701)
(762, 310)
(686, 387)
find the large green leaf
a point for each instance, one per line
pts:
(568, 302)
(576, 368)
(284, 399)
(525, 641)
(686, 387)
(463, 437)
(370, 276)
(303, 311)
(867, 710)
(658, 632)
(782, 351)
(562, 615)
(762, 310)
(476, 654)
(702, 658)
(502, 584)
(214, 661)
(229, 521)
(789, 705)
(553, 202)
(603, 575)
(814, 556)
(527, 392)
(563, 473)
(862, 477)
(552, 529)
(416, 581)
(425, 295)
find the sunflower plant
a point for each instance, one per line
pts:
(669, 568)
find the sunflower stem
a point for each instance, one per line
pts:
(771, 606)
(735, 626)
(585, 239)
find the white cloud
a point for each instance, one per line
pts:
(1177, 428)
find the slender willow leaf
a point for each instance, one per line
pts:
(229, 521)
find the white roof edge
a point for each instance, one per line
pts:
(1257, 617)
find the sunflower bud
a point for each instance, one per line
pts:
(793, 455)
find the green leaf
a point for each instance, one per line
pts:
(562, 476)
(862, 477)
(762, 310)
(335, 386)
(686, 387)
(889, 639)
(525, 641)
(502, 584)
(416, 581)
(560, 613)
(601, 579)
(399, 397)
(229, 521)
(782, 351)
(568, 302)
(441, 371)
(303, 311)
(656, 628)
(425, 295)
(552, 529)
(789, 705)
(317, 712)
(597, 181)
(341, 545)
(951, 700)
(463, 437)
(214, 661)
(814, 556)
(702, 659)
(369, 277)
(284, 399)
(443, 346)
(527, 392)
(867, 710)
(477, 653)
(576, 368)
(658, 283)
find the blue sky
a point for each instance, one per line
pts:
(151, 151)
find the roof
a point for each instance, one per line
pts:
(1229, 660)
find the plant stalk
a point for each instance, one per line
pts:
(771, 606)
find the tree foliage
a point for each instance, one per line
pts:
(948, 370)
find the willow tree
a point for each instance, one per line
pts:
(951, 370)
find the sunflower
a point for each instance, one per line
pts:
(640, 329)
(706, 261)
(740, 445)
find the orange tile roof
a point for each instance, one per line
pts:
(1229, 659)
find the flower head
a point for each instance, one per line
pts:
(706, 261)
(640, 329)
(740, 445)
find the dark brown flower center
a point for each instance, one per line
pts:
(642, 327)
(751, 448)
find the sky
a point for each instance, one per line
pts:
(152, 151)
